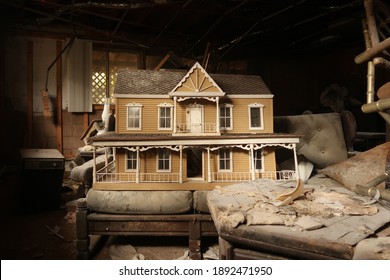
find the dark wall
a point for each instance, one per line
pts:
(298, 80)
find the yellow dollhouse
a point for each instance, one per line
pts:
(190, 131)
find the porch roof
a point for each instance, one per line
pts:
(113, 139)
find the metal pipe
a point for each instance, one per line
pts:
(370, 188)
(370, 94)
(378, 106)
(55, 60)
(373, 51)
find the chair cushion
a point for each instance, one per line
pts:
(200, 202)
(322, 141)
(83, 173)
(361, 168)
(140, 202)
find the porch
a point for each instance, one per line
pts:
(108, 179)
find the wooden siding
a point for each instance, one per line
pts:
(209, 110)
(269, 160)
(149, 115)
(148, 161)
(241, 163)
(241, 114)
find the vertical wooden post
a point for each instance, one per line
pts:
(86, 121)
(137, 177)
(208, 165)
(174, 114)
(252, 163)
(59, 129)
(82, 241)
(30, 94)
(218, 128)
(181, 165)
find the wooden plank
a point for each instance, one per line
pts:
(140, 227)
(60, 145)
(162, 62)
(85, 120)
(30, 92)
(151, 217)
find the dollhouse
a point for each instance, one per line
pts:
(190, 131)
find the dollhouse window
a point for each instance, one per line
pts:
(258, 160)
(225, 160)
(131, 162)
(256, 120)
(165, 116)
(163, 160)
(134, 116)
(225, 116)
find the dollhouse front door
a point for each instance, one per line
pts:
(194, 119)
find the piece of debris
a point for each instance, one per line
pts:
(55, 231)
(287, 198)
(125, 252)
(185, 256)
(212, 253)
(70, 217)
(255, 217)
(308, 223)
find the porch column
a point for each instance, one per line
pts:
(217, 121)
(209, 179)
(94, 165)
(252, 163)
(296, 162)
(181, 165)
(174, 114)
(138, 164)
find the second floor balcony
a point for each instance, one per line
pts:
(200, 128)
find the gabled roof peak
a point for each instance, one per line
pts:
(198, 81)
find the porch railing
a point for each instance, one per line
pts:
(132, 177)
(103, 176)
(247, 176)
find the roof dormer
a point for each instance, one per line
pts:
(197, 83)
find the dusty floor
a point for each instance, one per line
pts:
(51, 234)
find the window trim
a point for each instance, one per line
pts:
(230, 107)
(127, 161)
(159, 107)
(261, 113)
(230, 159)
(261, 159)
(158, 160)
(134, 105)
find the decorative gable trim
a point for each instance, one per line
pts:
(197, 82)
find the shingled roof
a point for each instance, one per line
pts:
(135, 81)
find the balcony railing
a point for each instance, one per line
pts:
(197, 128)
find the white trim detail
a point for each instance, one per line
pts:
(230, 159)
(159, 107)
(230, 106)
(134, 105)
(261, 116)
(158, 159)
